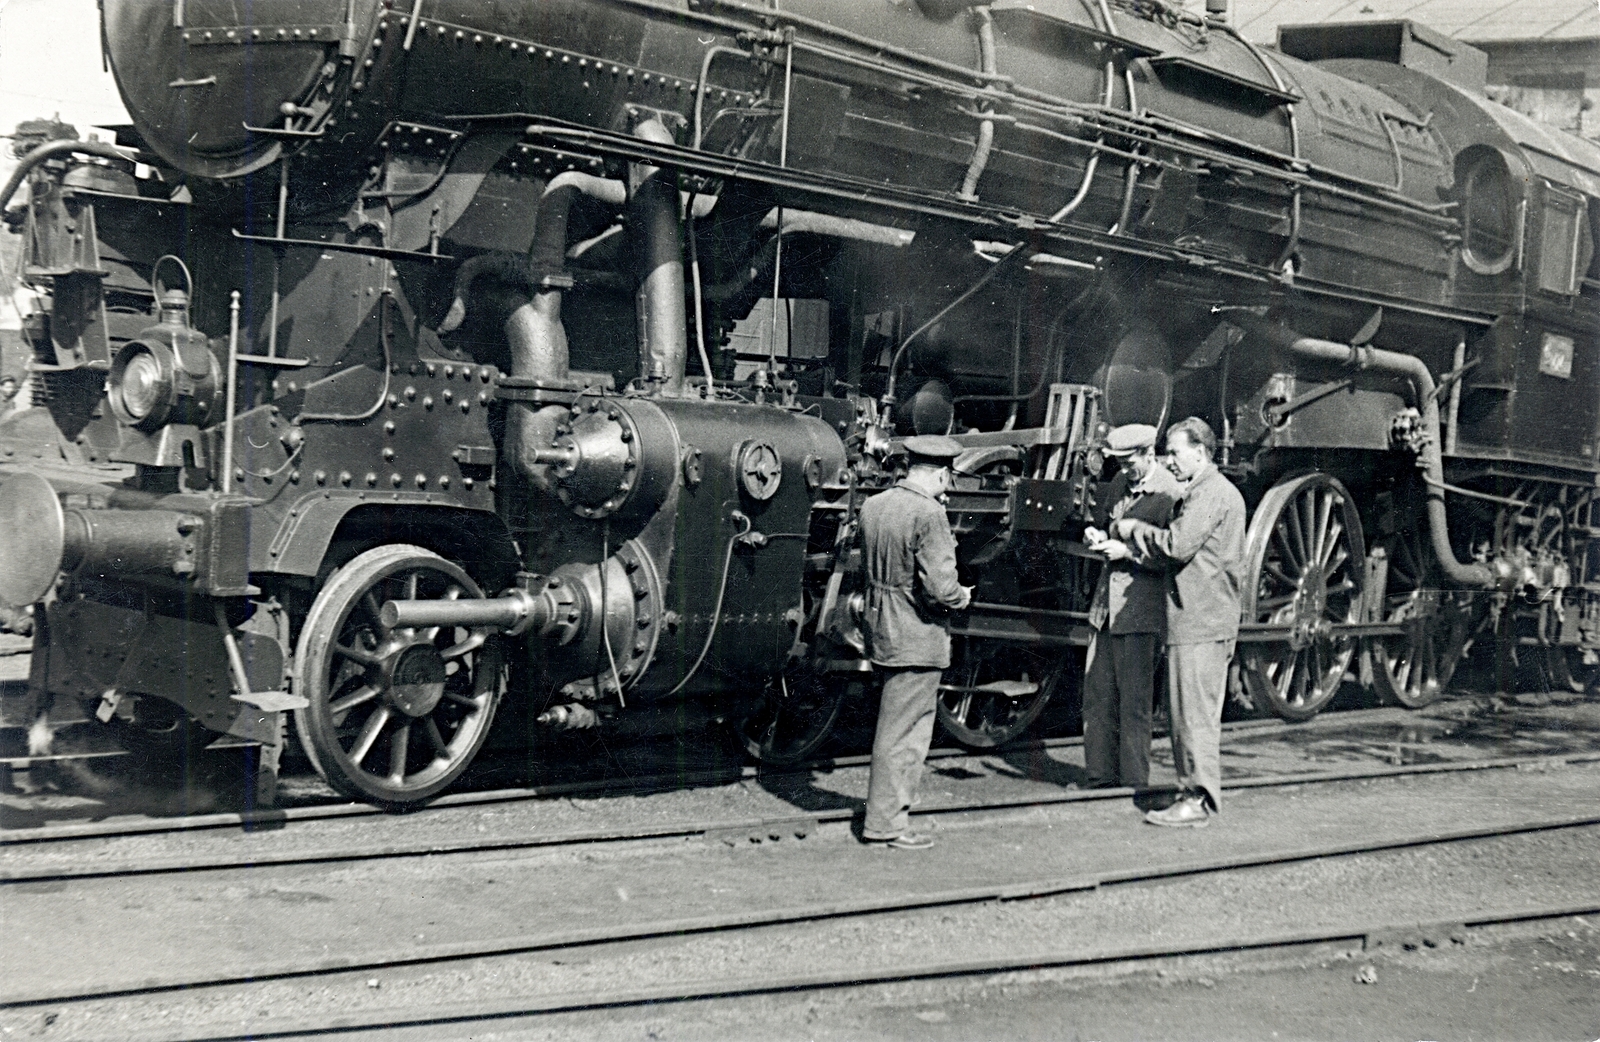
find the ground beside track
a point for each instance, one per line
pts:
(1479, 989)
(67, 935)
(1514, 984)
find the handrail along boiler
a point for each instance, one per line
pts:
(404, 357)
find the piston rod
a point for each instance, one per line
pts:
(513, 612)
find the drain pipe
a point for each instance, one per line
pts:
(1415, 372)
(654, 220)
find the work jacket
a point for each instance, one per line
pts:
(910, 559)
(1132, 597)
(1202, 551)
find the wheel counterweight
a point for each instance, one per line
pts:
(395, 714)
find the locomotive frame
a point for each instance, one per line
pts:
(424, 430)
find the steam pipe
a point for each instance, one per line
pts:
(538, 339)
(534, 330)
(985, 143)
(653, 214)
(49, 150)
(796, 222)
(1415, 372)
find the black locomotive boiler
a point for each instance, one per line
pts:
(406, 357)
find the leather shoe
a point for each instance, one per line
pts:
(1187, 813)
(906, 841)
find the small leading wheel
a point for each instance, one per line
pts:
(395, 715)
(795, 714)
(992, 692)
(1413, 669)
(1304, 563)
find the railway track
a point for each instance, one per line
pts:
(1233, 854)
(1356, 933)
(1357, 938)
(732, 831)
(334, 808)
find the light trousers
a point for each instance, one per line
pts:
(1197, 681)
(905, 729)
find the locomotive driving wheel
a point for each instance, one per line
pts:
(395, 715)
(1304, 560)
(1413, 669)
(795, 714)
(992, 692)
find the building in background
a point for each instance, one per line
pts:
(1544, 55)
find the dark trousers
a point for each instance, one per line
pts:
(1197, 680)
(1118, 689)
(905, 729)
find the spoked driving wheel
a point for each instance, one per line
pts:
(795, 714)
(992, 692)
(1414, 668)
(395, 715)
(1304, 567)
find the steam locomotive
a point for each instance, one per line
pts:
(405, 358)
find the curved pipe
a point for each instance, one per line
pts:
(47, 151)
(894, 363)
(985, 143)
(1415, 372)
(534, 330)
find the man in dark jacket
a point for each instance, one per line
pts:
(1202, 549)
(910, 559)
(1128, 617)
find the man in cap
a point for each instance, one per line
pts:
(8, 395)
(1128, 617)
(910, 559)
(1202, 550)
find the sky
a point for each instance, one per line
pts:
(50, 62)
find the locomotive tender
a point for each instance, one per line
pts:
(408, 355)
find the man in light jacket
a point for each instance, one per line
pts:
(1202, 551)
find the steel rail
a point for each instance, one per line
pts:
(271, 819)
(1360, 936)
(291, 969)
(773, 826)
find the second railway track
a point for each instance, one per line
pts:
(679, 891)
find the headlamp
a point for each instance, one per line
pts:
(151, 384)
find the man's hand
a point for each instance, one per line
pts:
(1123, 528)
(1093, 536)
(966, 596)
(1115, 550)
